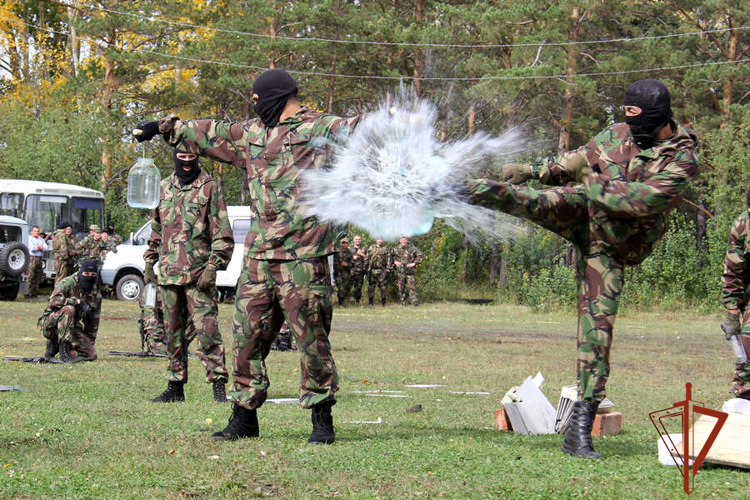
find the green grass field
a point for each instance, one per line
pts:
(88, 430)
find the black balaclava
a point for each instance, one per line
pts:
(111, 227)
(653, 98)
(273, 88)
(185, 176)
(86, 283)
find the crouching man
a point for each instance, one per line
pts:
(71, 320)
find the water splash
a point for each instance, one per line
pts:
(392, 177)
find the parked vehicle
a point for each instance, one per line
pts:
(124, 270)
(46, 204)
(14, 256)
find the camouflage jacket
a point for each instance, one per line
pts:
(340, 270)
(67, 293)
(274, 158)
(63, 246)
(407, 255)
(630, 192)
(734, 279)
(359, 262)
(115, 239)
(189, 230)
(379, 259)
(90, 248)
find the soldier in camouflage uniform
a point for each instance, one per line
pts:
(405, 260)
(191, 240)
(359, 269)
(735, 282)
(116, 238)
(37, 247)
(285, 272)
(152, 322)
(379, 264)
(63, 251)
(342, 271)
(629, 177)
(71, 320)
(284, 341)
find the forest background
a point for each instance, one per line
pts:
(77, 75)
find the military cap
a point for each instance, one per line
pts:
(95, 228)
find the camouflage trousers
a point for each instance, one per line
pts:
(64, 325)
(343, 284)
(407, 281)
(189, 312)
(63, 269)
(600, 276)
(377, 279)
(267, 293)
(355, 285)
(152, 319)
(35, 275)
(741, 377)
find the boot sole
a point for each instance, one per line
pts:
(577, 454)
(167, 400)
(233, 437)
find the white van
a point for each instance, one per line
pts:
(124, 269)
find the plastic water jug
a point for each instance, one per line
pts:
(143, 184)
(739, 350)
(150, 300)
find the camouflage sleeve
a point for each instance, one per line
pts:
(661, 191)
(60, 296)
(418, 256)
(733, 278)
(220, 140)
(552, 170)
(151, 254)
(334, 127)
(222, 239)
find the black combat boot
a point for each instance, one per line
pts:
(66, 356)
(382, 301)
(242, 424)
(52, 349)
(220, 394)
(578, 437)
(371, 300)
(322, 422)
(174, 393)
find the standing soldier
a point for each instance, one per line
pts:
(359, 269)
(37, 247)
(152, 325)
(735, 282)
(63, 251)
(405, 259)
(116, 239)
(192, 240)
(91, 247)
(342, 270)
(285, 273)
(71, 320)
(629, 176)
(379, 263)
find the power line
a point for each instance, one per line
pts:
(416, 44)
(423, 78)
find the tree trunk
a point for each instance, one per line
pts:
(563, 142)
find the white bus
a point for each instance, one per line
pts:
(46, 204)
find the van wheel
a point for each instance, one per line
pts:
(14, 259)
(129, 287)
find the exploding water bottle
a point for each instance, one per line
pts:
(150, 300)
(739, 351)
(143, 184)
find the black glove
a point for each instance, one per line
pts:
(84, 307)
(149, 276)
(731, 325)
(145, 131)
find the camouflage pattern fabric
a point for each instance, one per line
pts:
(35, 275)
(63, 320)
(405, 275)
(189, 230)
(342, 270)
(284, 341)
(268, 292)
(735, 280)
(614, 219)
(379, 264)
(273, 158)
(152, 319)
(115, 239)
(359, 270)
(63, 253)
(94, 249)
(190, 312)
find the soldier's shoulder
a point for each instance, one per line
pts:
(617, 133)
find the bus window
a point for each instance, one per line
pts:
(86, 211)
(46, 211)
(11, 204)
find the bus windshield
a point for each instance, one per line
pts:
(86, 211)
(46, 211)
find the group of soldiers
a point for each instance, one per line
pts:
(376, 263)
(67, 251)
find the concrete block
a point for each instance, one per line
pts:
(502, 423)
(607, 424)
